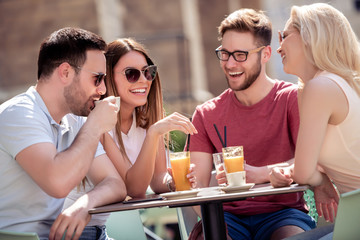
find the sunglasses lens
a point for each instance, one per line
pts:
(150, 73)
(99, 79)
(132, 75)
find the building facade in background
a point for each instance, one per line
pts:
(181, 36)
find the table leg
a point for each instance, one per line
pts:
(212, 215)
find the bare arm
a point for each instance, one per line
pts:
(322, 103)
(160, 176)
(203, 167)
(57, 173)
(260, 175)
(109, 188)
(151, 162)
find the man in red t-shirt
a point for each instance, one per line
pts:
(260, 114)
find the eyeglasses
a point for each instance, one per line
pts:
(99, 76)
(133, 74)
(239, 56)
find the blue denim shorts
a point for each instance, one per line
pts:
(261, 226)
(94, 233)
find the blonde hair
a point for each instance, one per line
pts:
(147, 114)
(330, 43)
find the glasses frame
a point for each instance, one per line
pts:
(99, 76)
(247, 53)
(141, 72)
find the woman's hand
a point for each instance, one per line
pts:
(191, 177)
(326, 199)
(173, 122)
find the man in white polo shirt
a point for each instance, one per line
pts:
(47, 146)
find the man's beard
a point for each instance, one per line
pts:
(251, 78)
(74, 95)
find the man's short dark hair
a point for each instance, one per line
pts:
(67, 45)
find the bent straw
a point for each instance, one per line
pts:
(217, 131)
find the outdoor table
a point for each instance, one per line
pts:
(211, 206)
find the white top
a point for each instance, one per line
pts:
(133, 141)
(340, 153)
(24, 121)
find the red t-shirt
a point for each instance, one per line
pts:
(267, 131)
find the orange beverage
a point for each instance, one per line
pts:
(180, 164)
(234, 164)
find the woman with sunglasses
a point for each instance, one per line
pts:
(136, 145)
(319, 46)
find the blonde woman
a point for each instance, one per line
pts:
(319, 46)
(136, 144)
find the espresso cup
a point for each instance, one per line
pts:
(236, 179)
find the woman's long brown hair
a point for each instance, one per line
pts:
(147, 114)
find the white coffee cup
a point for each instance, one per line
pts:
(117, 99)
(236, 179)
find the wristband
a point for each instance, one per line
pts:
(168, 184)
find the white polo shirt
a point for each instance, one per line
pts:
(24, 121)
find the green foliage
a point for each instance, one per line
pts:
(177, 141)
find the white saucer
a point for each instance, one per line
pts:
(245, 187)
(180, 194)
(210, 191)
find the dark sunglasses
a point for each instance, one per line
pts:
(99, 76)
(133, 74)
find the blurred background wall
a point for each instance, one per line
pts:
(181, 36)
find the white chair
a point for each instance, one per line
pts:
(346, 225)
(347, 222)
(187, 217)
(125, 225)
(11, 235)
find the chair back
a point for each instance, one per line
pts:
(11, 235)
(347, 222)
(125, 225)
(310, 202)
(187, 217)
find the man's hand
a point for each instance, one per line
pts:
(191, 175)
(104, 115)
(281, 176)
(221, 177)
(72, 220)
(326, 199)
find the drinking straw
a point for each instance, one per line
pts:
(225, 136)
(188, 140)
(188, 143)
(168, 151)
(217, 131)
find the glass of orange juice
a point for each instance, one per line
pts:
(233, 159)
(180, 165)
(234, 165)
